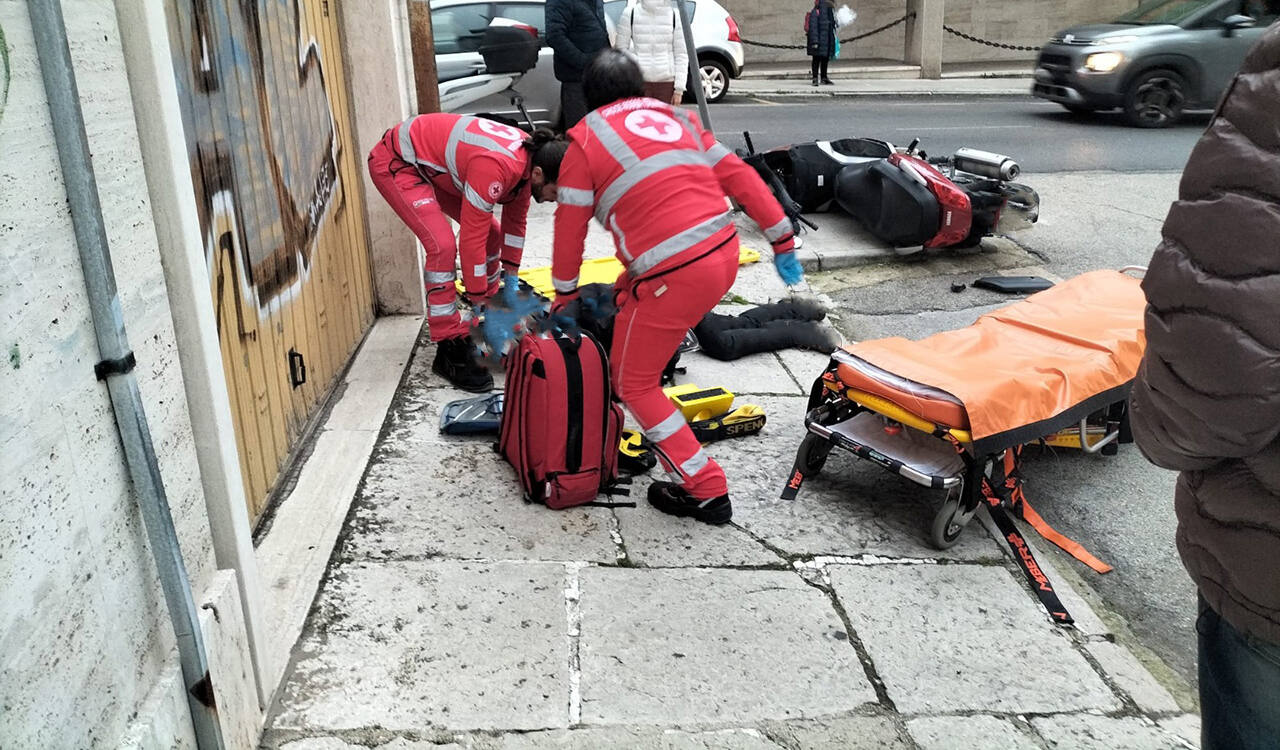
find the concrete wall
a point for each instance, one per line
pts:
(1018, 22)
(372, 41)
(84, 631)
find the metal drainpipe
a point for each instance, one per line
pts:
(695, 69)
(116, 367)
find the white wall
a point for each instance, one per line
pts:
(1017, 22)
(84, 633)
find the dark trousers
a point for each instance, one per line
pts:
(1239, 687)
(573, 103)
(819, 65)
(767, 328)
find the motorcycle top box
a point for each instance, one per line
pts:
(509, 48)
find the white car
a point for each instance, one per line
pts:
(457, 26)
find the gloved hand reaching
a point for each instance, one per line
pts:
(511, 290)
(789, 269)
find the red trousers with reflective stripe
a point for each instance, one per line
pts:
(424, 209)
(653, 316)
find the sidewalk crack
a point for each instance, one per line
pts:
(573, 616)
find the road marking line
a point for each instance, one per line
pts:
(968, 127)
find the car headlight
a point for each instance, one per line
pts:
(1103, 62)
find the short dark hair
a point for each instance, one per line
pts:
(546, 151)
(611, 75)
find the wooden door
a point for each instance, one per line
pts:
(269, 138)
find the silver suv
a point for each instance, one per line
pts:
(1164, 57)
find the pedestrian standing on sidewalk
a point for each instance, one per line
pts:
(435, 167)
(650, 174)
(651, 30)
(576, 31)
(820, 38)
(1207, 398)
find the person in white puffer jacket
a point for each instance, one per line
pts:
(650, 30)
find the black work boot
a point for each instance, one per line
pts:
(456, 362)
(671, 498)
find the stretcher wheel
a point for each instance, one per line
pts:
(812, 455)
(950, 519)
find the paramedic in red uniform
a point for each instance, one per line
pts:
(434, 166)
(655, 179)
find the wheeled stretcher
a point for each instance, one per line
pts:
(951, 412)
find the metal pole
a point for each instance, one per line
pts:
(695, 70)
(116, 367)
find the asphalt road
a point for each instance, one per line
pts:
(1118, 507)
(1039, 135)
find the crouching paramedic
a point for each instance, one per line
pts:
(652, 176)
(435, 166)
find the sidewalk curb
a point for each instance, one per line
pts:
(806, 93)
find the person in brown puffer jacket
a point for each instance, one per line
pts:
(1207, 398)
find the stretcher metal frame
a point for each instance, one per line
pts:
(981, 477)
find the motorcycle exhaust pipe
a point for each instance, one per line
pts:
(986, 164)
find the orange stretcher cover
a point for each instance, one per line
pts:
(1022, 370)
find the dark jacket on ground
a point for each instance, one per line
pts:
(576, 31)
(1207, 397)
(820, 30)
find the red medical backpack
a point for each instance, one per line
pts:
(560, 425)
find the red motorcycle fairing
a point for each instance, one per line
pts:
(956, 212)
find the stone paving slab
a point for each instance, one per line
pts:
(1091, 732)
(416, 646)
(695, 646)
(969, 732)
(749, 376)
(1130, 676)
(949, 638)
(462, 501)
(639, 738)
(852, 508)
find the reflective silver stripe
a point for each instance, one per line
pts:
(641, 170)
(575, 197)
(564, 286)
(678, 243)
(779, 230)
(685, 117)
(611, 141)
(493, 277)
(695, 464)
(440, 311)
(474, 199)
(716, 153)
(666, 428)
(440, 277)
(621, 239)
(481, 269)
(513, 241)
(406, 141)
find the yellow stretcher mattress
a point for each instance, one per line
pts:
(1023, 368)
(601, 271)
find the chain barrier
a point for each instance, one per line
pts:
(853, 38)
(1000, 45)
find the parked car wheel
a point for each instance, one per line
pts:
(715, 79)
(1155, 99)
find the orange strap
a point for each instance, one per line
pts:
(1070, 547)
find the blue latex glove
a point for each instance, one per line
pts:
(500, 327)
(789, 269)
(511, 290)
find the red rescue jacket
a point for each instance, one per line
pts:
(657, 181)
(483, 163)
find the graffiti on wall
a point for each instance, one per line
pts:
(261, 140)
